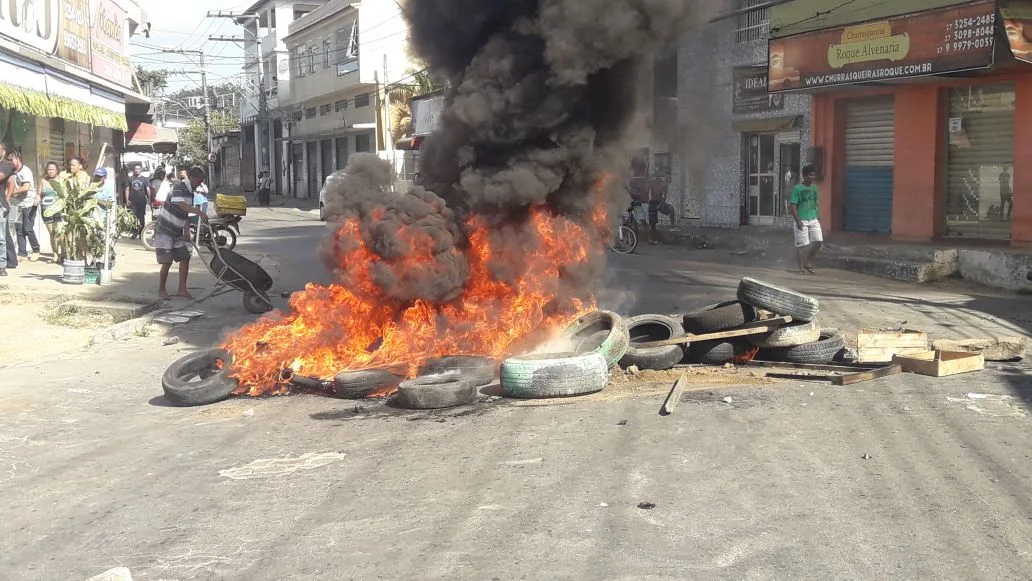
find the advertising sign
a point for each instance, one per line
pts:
(109, 43)
(927, 43)
(31, 22)
(751, 91)
(1017, 21)
(425, 114)
(74, 41)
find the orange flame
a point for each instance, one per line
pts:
(746, 355)
(337, 328)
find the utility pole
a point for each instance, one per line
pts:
(262, 124)
(207, 119)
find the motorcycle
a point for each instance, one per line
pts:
(223, 232)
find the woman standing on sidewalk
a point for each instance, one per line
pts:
(77, 172)
(47, 199)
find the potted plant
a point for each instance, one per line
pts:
(80, 231)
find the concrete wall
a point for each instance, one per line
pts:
(708, 168)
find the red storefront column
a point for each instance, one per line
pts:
(916, 205)
(1021, 227)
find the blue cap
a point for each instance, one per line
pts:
(101, 171)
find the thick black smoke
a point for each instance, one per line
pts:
(543, 96)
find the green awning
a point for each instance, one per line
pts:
(768, 125)
(42, 105)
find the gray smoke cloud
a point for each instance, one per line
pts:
(543, 96)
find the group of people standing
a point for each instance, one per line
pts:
(22, 199)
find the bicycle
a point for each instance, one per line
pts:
(625, 240)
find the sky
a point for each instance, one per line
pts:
(181, 24)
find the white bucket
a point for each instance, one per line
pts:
(74, 271)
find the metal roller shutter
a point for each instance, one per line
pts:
(56, 136)
(870, 155)
(981, 158)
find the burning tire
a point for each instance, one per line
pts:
(602, 332)
(781, 301)
(712, 352)
(480, 369)
(431, 392)
(720, 317)
(821, 351)
(645, 328)
(360, 384)
(554, 375)
(199, 378)
(790, 335)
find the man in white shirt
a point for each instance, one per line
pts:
(24, 195)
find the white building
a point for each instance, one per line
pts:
(267, 73)
(341, 56)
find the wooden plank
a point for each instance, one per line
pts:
(744, 331)
(801, 376)
(867, 375)
(811, 366)
(885, 355)
(941, 363)
(889, 339)
(674, 397)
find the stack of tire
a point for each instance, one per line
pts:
(801, 341)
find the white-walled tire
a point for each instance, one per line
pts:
(554, 375)
(778, 300)
(790, 335)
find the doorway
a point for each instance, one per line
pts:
(790, 173)
(761, 178)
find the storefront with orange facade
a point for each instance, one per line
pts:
(920, 121)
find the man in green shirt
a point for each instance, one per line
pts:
(807, 214)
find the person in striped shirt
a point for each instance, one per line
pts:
(170, 244)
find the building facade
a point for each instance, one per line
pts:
(267, 75)
(739, 149)
(67, 82)
(918, 113)
(342, 56)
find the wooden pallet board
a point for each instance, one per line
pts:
(941, 363)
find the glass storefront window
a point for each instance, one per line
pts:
(980, 165)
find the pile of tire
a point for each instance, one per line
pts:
(801, 341)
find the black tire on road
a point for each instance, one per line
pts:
(480, 369)
(719, 317)
(780, 301)
(256, 303)
(645, 328)
(820, 352)
(712, 352)
(431, 392)
(789, 335)
(554, 375)
(360, 384)
(200, 378)
(601, 331)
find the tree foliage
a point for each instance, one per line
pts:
(152, 81)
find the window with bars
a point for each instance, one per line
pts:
(752, 25)
(310, 113)
(299, 60)
(311, 59)
(327, 50)
(362, 100)
(325, 109)
(341, 105)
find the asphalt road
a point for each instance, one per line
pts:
(904, 478)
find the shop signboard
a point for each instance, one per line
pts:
(109, 42)
(33, 23)
(751, 93)
(926, 43)
(1017, 21)
(73, 44)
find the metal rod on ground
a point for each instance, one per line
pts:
(674, 397)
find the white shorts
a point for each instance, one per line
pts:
(808, 234)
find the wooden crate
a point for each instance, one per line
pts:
(941, 363)
(882, 346)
